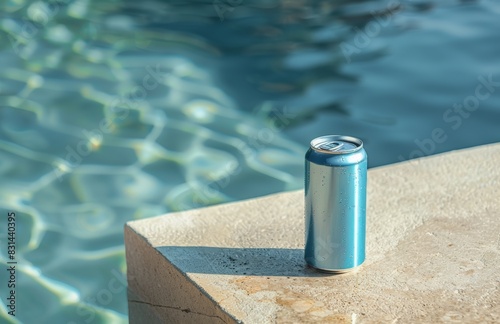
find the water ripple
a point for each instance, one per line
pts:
(112, 111)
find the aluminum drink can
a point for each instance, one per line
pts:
(335, 203)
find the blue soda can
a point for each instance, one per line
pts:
(335, 203)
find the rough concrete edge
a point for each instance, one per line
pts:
(428, 158)
(380, 168)
(209, 209)
(219, 313)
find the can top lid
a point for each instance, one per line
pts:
(336, 144)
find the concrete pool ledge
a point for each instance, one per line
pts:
(433, 254)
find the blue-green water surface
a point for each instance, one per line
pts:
(118, 110)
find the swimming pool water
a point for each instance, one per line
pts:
(119, 110)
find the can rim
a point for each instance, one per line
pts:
(322, 139)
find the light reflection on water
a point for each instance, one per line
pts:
(112, 111)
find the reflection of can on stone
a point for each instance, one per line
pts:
(335, 203)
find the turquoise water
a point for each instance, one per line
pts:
(120, 110)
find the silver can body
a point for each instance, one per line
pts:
(335, 203)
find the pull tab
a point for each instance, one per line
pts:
(332, 146)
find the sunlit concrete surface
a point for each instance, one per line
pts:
(433, 254)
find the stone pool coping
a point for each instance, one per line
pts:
(433, 254)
